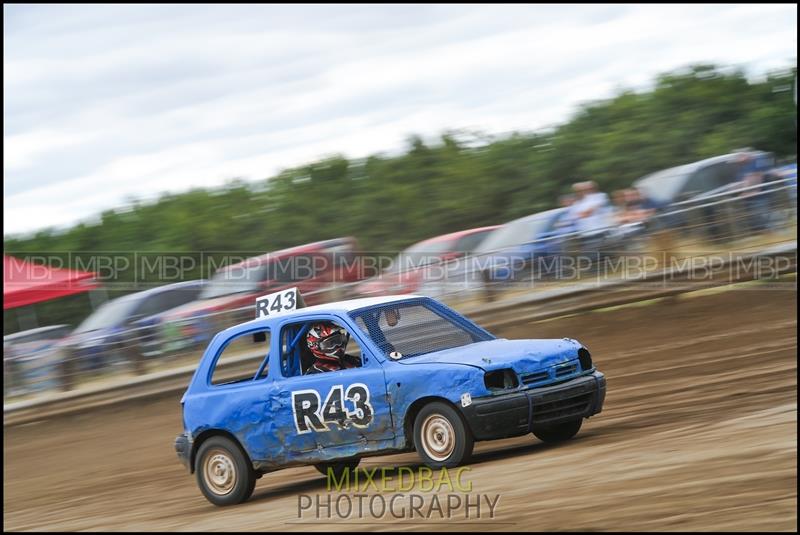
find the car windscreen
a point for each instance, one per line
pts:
(663, 186)
(470, 242)
(234, 279)
(108, 314)
(515, 233)
(409, 329)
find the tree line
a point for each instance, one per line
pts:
(462, 180)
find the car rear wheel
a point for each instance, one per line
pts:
(223, 472)
(338, 468)
(441, 437)
(558, 432)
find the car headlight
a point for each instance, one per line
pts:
(500, 380)
(585, 359)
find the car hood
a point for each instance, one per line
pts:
(522, 356)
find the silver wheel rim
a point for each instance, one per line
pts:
(219, 471)
(438, 437)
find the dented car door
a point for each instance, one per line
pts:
(336, 408)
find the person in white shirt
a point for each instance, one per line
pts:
(592, 210)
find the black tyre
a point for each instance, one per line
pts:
(558, 432)
(441, 436)
(224, 473)
(337, 467)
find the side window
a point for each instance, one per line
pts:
(344, 259)
(699, 182)
(310, 266)
(177, 298)
(305, 266)
(280, 270)
(241, 358)
(323, 265)
(726, 173)
(353, 348)
(470, 242)
(719, 175)
(151, 305)
(298, 359)
(290, 365)
(159, 303)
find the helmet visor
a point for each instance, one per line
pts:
(334, 341)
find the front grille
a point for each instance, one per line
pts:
(563, 371)
(535, 377)
(558, 372)
(576, 405)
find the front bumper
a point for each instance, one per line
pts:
(183, 447)
(516, 413)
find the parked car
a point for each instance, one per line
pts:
(737, 208)
(408, 273)
(685, 181)
(124, 330)
(29, 360)
(315, 268)
(546, 245)
(512, 249)
(427, 379)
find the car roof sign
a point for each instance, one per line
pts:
(287, 300)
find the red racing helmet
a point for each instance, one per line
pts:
(327, 341)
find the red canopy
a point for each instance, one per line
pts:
(25, 283)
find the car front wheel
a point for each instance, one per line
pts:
(441, 437)
(224, 474)
(558, 432)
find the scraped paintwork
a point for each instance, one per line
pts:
(261, 415)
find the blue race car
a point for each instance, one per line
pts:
(515, 247)
(425, 378)
(124, 329)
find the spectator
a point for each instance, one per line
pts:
(565, 201)
(566, 223)
(756, 203)
(640, 208)
(621, 211)
(630, 213)
(591, 210)
(745, 166)
(752, 167)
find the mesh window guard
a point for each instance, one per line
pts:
(413, 329)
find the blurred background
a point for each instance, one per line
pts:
(193, 159)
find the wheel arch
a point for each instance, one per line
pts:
(414, 409)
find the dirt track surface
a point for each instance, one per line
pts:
(698, 433)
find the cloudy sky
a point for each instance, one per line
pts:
(102, 103)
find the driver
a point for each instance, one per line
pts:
(327, 343)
